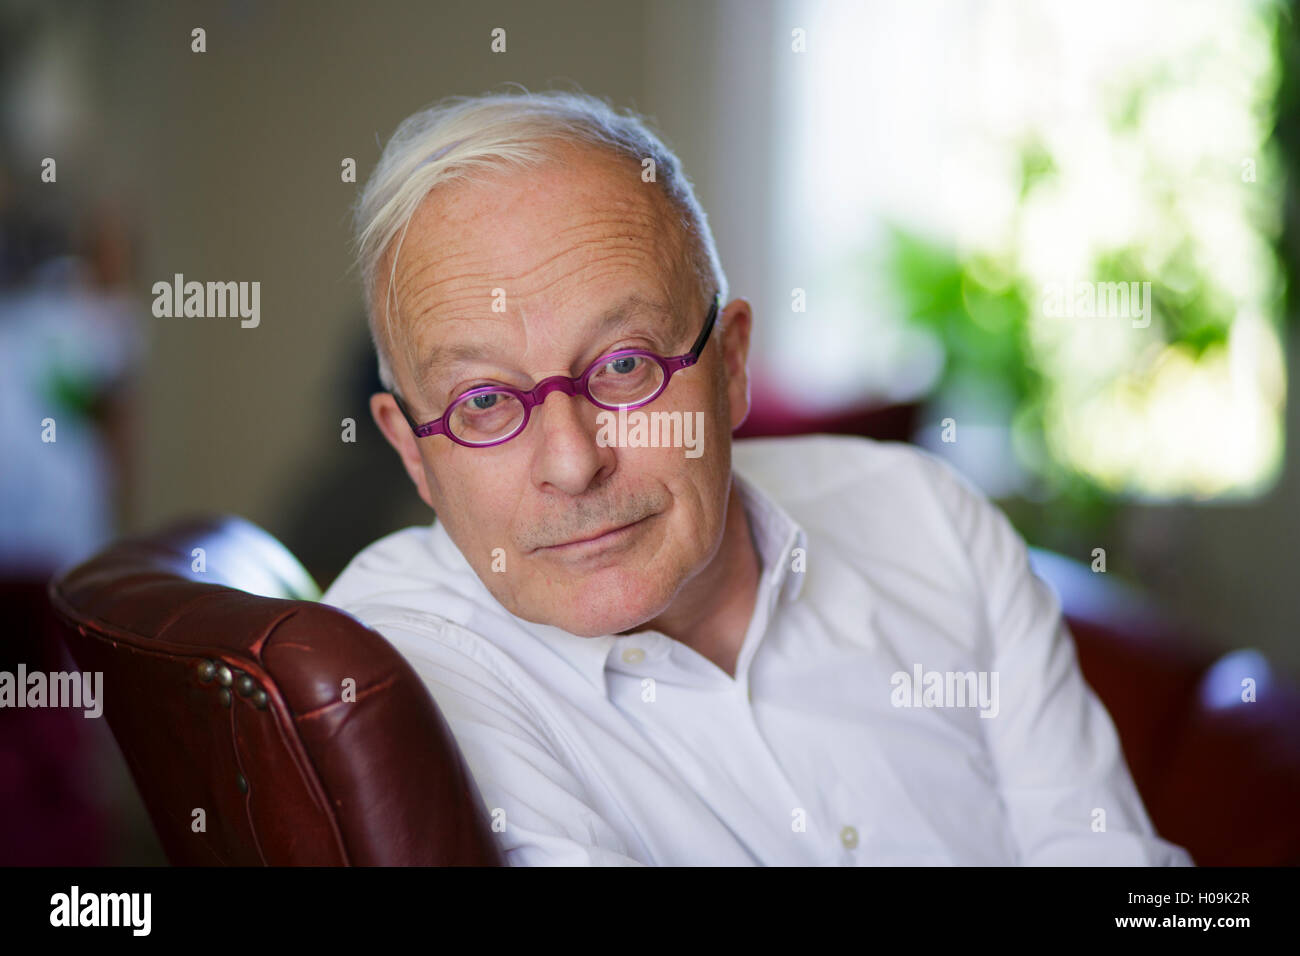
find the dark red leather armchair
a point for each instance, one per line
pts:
(223, 682)
(1218, 776)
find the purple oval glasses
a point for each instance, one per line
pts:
(493, 414)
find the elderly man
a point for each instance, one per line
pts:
(652, 651)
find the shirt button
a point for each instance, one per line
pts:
(849, 837)
(633, 655)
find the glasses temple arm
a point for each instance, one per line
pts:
(698, 347)
(405, 412)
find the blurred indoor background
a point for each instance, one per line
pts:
(899, 189)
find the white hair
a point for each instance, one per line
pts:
(463, 134)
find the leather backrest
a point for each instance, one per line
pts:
(224, 685)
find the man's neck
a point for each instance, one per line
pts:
(712, 612)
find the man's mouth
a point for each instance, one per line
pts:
(610, 537)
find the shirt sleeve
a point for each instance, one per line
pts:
(1067, 789)
(539, 812)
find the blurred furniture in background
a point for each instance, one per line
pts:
(48, 813)
(773, 414)
(224, 683)
(1219, 775)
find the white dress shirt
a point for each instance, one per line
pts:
(880, 564)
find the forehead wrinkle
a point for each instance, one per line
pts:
(632, 225)
(423, 289)
(609, 250)
(419, 294)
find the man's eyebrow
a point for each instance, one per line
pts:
(622, 313)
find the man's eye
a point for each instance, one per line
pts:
(624, 364)
(484, 402)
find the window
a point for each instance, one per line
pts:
(1054, 221)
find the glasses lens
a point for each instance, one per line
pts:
(626, 380)
(486, 417)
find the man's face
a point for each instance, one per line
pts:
(589, 262)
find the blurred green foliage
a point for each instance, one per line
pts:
(979, 308)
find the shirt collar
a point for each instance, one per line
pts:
(776, 536)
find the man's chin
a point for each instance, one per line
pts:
(584, 616)
(597, 625)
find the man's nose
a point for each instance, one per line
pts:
(568, 457)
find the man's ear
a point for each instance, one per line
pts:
(737, 320)
(393, 424)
